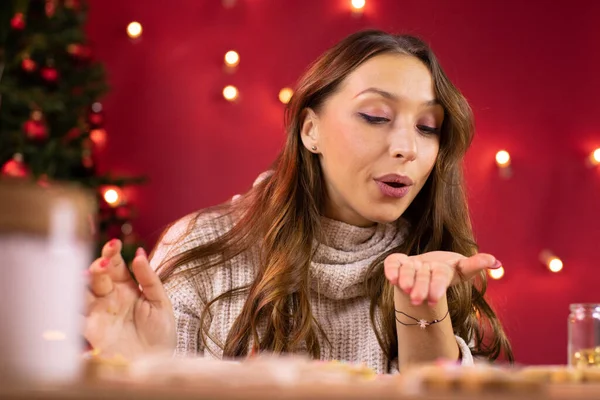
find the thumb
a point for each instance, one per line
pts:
(471, 266)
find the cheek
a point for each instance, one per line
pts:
(429, 155)
(347, 146)
(428, 149)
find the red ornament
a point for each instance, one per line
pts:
(123, 213)
(87, 160)
(35, 130)
(96, 119)
(15, 167)
(50, 8)
(17, 22)
(49, 74)
(28, 65)
(79, 51)
(72, 134)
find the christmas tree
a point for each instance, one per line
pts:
(51, 118)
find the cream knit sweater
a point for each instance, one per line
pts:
(338, 300)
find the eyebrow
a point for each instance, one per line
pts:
(391, 96)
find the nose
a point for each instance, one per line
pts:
(403, 144)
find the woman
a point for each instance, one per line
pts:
(357, 247)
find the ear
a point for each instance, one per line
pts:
(310, 131)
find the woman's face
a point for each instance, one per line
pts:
(377, 138)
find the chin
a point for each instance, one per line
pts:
(384, 216)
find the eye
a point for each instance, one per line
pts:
(371, 119)
(429, 130)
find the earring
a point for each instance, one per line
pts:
(314, 148)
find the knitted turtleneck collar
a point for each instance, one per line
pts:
(342, 259)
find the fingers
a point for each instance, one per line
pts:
(469, 267)
(441, 277)
(422, 278)
(116, 268)
(100, 282)
(149, 281)
(391, 267)
(408, 270)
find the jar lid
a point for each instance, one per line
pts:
(28, 208)
(584, 306)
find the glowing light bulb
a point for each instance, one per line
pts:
(113, 196)
(552, 262)
(497, 273)
(232, 58)
(503, 159)
(230, 93)
(97, 107)
(285, 95)
(98, 137)
(358, 5)
(555, 265)
(595, 157)
(134, 30)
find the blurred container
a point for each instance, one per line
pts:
(584, 335)
(45, 244)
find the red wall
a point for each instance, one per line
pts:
(529, 70)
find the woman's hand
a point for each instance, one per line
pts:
(428, 276)
(123, 317)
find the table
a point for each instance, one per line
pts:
(329, 392)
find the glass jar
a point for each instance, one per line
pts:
(45, 244)
(584, 335)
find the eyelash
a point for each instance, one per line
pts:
(373, 120)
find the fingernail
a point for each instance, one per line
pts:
(112, 242)
(104, 262)
(415, 302)
(85, 273)
(140, 252)
(497, 264)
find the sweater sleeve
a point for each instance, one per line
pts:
(185, 299)
(465, 351)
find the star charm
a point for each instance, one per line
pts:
(423, 324)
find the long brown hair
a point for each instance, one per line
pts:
(281, 216)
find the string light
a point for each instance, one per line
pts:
(126, 228)
(113, 196)
(503, 163)
(134, 30)
(285, 95)
(552, 262)
(503, 159)
(97, 107)
(594, 158)
(232, 58)
(497, 273)
(555, 265)
(230, 93)
(98, 136)
(358, 5)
